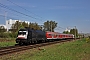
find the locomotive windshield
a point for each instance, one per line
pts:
(22, 32)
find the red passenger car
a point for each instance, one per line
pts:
(56, 35)
(52, 35)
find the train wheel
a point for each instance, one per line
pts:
(43, 41)
(32, 42)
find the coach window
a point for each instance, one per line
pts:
(63, 35)
(49, 34)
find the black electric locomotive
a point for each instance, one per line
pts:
(27, 36)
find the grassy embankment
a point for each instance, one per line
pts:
(4, 42)
(75, 50)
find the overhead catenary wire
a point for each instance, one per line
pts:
(5, 13)
(13, 14)
(23, 8)
(17, 15)
(59, 28)
(7, 16)
(4, 6)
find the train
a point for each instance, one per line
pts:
(28, 36)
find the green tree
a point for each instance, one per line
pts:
(50, 25)
(2, 32)
(34, 26)
(15, 26)
(37, 27)
(74, 32)
(2, 29)
(24, 24)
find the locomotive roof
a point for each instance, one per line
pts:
(22, 30)
(39, 31)
(28, 29)
(25, 29)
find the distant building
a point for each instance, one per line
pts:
(10, 22)
(67, 30)
(86, 34)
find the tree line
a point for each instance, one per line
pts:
(12, 33)
(72, 31)
(47, 26)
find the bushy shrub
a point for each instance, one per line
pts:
(87, 39)
(8, 35)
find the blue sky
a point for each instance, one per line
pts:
(67, 13)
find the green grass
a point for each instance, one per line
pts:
(76, 50)
(4, 42)
(5, 39)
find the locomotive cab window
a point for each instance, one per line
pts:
(22, 32)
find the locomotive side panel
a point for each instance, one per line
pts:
(41, 35)
(27, 35)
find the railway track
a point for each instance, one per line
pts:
(12, 49)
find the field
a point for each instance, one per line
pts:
(75, 50)
(4, 42)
